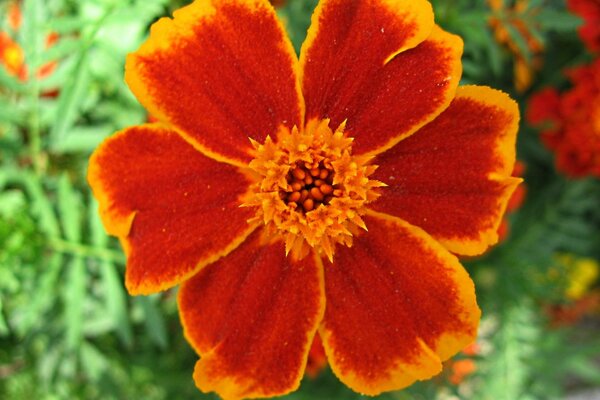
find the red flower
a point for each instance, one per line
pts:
(589, 32)
(570, 122)
(269, 235)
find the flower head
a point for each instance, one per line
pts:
(570, 121)
(11, 56)
(589, 32)
(321, 194)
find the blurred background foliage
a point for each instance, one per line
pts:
(69, 330)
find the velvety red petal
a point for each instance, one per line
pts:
(167, 203)
(381, 65)
(453, 177)
(398, 304)
(221, 72)
(252, 317)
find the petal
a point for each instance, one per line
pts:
(220, 71)
(252, 317)
(381, 65)
(452, 178)
(166, 202)
(398, 304)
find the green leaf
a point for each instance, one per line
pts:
(74, 299)
(153, 320)
(69, 206)
(70, 100)
(45, 298)
(112, 285)
(41, 207)
(94, 363)
(69, 209)
(83, 139)
(10, 112)
(11, 82)
(551, 19)
(63, 48)
(48, 363)
(3, 326)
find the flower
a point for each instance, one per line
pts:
(580, 275)
(460, 369)
(266, 254)
(570, 121)
(509, 20)
(589, 32)
(11, 54)
(15, 18)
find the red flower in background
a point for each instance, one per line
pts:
(589, 32)
(570, 121)
(268, 236)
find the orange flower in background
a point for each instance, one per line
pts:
(570, 121)
(320, 196)
(516, 17)
(458, 370)
(14, 16)
(580, 291)
(589, 32)
(11, 54)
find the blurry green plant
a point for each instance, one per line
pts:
(69, 330)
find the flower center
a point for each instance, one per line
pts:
(310, 190)
(311, 185)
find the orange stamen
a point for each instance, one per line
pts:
(311, 191)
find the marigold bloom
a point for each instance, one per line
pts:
(589, 32)
(297, 230)
(570, 121)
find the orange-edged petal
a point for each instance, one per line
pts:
(398, 304)
(453, 177)
(221, 71)
(382, 65)
(167, 203)
(252, 318)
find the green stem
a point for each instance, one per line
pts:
(82, 250)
